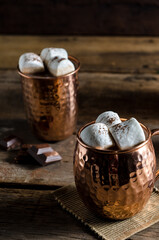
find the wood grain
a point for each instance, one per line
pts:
(127, 94)
(96, 54)
(34, 214)
(119, 74)
(87, 17)
(28, 214)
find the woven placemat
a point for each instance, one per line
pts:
(108, 230)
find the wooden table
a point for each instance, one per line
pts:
(117, 73)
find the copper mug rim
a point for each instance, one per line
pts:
(111, 151)
(52, 77)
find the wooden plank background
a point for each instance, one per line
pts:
(89, 17)
(96, 54)
(117, 73)
(34, 214)
(122, 85)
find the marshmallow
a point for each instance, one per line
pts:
(30, 63)
(97, 135)
(127, 134)
(50, 53)
(109, 118)
(60, 66)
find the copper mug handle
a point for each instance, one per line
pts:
(155, 132)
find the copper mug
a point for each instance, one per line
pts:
(51, 103)
(115, 184)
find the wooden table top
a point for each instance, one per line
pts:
(117, 73)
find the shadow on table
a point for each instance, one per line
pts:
(19, 128)
(34, 214)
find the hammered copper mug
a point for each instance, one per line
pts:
(51, 103)
(115, 184)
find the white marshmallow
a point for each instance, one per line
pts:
(30, 63)
(127, 134)
(60, 66)
(97, 135)
(109, 118)
(50, 53)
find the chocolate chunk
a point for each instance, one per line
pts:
(23, 157)
(41, 148)
(47, 158)
(44, 154)
(11, 143)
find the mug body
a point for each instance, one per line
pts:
(51, 103)
(115, 184)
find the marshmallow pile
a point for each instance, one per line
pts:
(54, 59)
(109, 131)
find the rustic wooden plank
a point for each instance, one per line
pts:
(128, 94)
(89, 17)
(57, 174)
(28, 214)
(34, 214)
(54, 175)
(96, 54)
